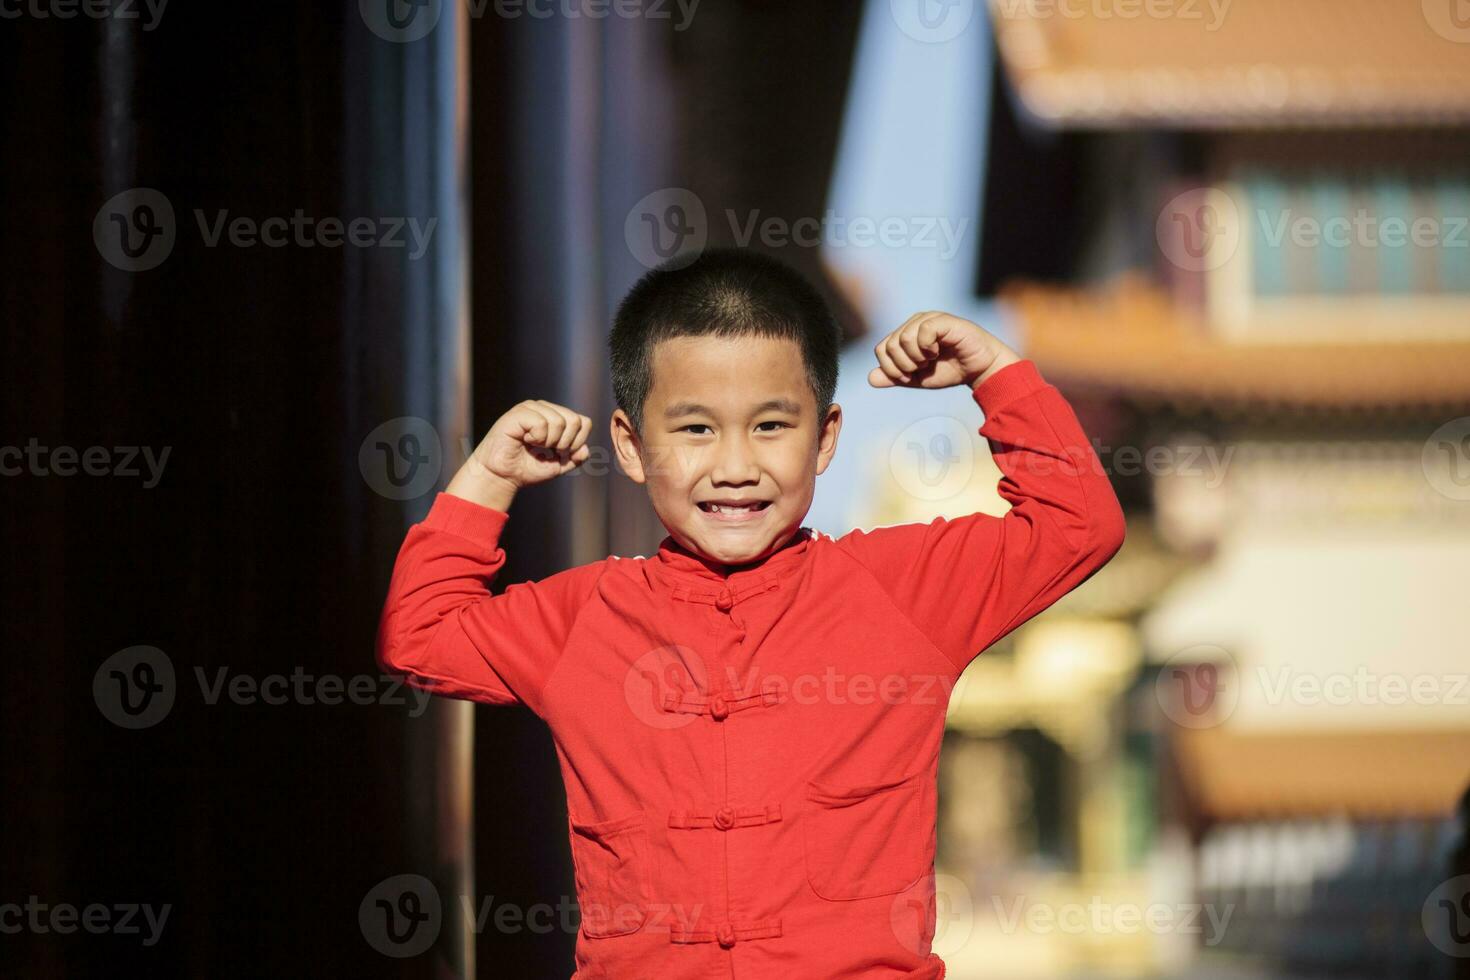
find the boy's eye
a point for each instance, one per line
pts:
(701, 425)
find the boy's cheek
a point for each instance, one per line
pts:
(681, 466)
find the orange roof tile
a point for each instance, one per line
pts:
(1226, 63)
(1363, 774)
(1131, 339)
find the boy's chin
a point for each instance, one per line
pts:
(738, 551)
(727, 554)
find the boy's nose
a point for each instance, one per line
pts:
(734, 463)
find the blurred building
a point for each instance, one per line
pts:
(1238, 243)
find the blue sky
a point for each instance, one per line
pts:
(912, 147)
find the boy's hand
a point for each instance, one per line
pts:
(534, 442)
(937, 350)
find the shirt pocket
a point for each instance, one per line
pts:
(610, 861)
(866, 841)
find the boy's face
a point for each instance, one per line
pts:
(729, 420)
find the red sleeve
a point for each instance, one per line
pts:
(444, 630)
(968, 582)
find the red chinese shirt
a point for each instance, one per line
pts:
(750, 760)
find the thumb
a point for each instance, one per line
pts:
(878, 379)
(575, 460)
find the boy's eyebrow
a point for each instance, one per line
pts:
(769, 405)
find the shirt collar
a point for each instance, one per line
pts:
(696, 578)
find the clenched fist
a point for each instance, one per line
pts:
(533, 442)
(937, 350)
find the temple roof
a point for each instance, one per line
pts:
(1236, 63)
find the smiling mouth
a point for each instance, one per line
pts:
(730, 511)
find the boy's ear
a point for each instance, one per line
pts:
(627, 446)
(827, 432)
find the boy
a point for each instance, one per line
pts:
(748, 723)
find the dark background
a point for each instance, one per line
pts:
(263, 549)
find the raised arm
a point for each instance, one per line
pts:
(969, 581)
(440, 625)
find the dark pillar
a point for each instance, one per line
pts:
(258, 549)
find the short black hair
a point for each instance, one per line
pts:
(724, 292)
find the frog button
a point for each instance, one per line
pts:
(719, 707)
(725, 817)
(723, 602)
(726, 935)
